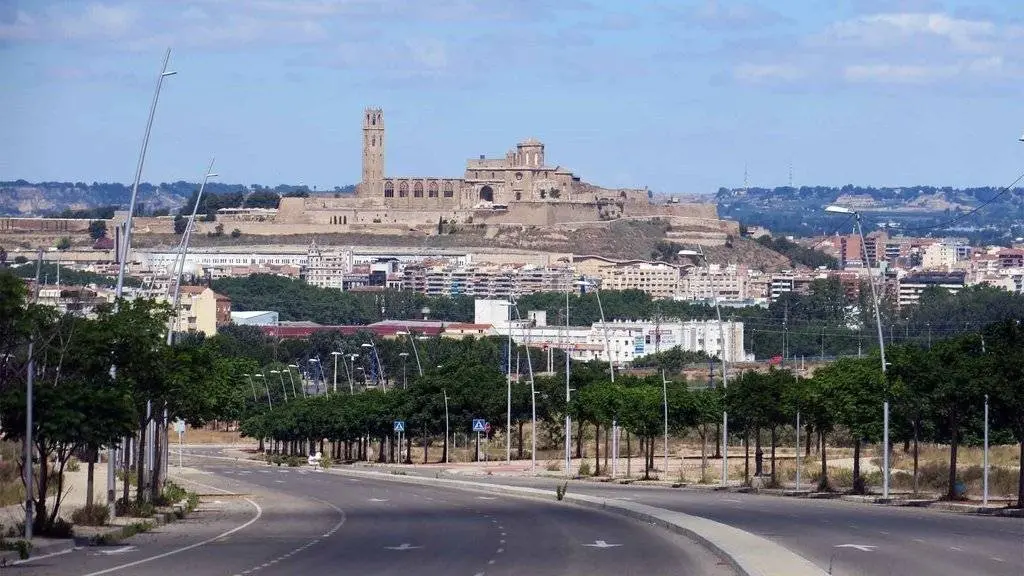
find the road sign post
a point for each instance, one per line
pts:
(479, 425)
(179, 427)
(399, 426)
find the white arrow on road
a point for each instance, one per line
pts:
(405, 546)
(861, 547)
(114, 551)
(602, 544)
(486, 498)
(378, 499)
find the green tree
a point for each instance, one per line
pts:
(63, 243)
(97, 229)
(1005, 362)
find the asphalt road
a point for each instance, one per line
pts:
(852, 538)
(285, 521)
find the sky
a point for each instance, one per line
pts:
(679, 96)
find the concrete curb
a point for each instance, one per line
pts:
(749, 554)
(89, 536)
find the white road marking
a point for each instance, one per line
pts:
(403, 546)
(114, 551)
(918, 540)
(378, 500)
(602, 544)
(50, 555)
(996, 559)
(259, 513)
(861, 547)
(956, 548)
(486, 498)
(730, 500)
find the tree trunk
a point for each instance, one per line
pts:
(823, 483)
(645, 448)
(382, 455)
(42, 482)
(158, 462)
(858, 487)
(718, 441)
(773, 456)
(758, 453)
(140, 456)
(607, 436)
(1020, 478)
(408, 450)
(127, 468)
(746, 457)
(580, 428)
(444, 452)
(90, 479)
(597, 449)
(916, 428)
(629, 455)
(807, 443)
(954, 440)
(520, 452)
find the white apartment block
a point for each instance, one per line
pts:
(485, 281)
(659, 279)
(327, 269)
(728, 283)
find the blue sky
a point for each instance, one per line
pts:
(675, 95)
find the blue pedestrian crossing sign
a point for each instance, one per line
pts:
(399, 426)
(479, 425)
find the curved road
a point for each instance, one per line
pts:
(281, 521)
(852, 538)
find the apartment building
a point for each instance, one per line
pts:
(202, 310)
(728, 283)
(485, 281)
(912, 285)
(659, 279)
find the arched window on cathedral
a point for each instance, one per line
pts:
(448, 191)
(432, 189)
(417, 190)
(389, 189)
(403, 189)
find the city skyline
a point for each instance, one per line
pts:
(682, 98)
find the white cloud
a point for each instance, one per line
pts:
(900, 29)
(768, 72)
(897, 73)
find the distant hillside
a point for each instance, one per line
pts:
(915, 211)
(23, 198)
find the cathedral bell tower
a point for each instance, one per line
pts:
(373, 150)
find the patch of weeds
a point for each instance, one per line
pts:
(561, 490)
(552, 466)
(134, 508)
(94, 515)
(23, 547)
(399, 473)
(193, 501)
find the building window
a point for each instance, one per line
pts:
(417, 190)
(403, 189)
(448, 191)
(389, 189)
(432, 189)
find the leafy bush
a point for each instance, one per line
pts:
(134, 508)
(60, 528)
(72, 465)
(94, 515)
(561, 489)
(585, 468)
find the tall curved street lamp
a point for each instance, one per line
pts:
(881, 343)
(699, 253)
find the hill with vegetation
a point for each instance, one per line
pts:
(984, 214)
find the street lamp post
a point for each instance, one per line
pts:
(881, 344)
(568, 418)
(253, 386)
(415, 351)
(270, 402)
(292, 380)
(335, 354)
(351, 386)
(405, 375)
(376, 357)
(316, 374)
(284, 391)
(446, 449)
(725, 372)
(125, 248)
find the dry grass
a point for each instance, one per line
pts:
(207, 436)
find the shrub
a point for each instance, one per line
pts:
(60, 528)
(24, 547)
(560, 490)
(585, 468)
(134, 508)
(552, 466)
(72, 465)
(295, 461)
(326, 462)
(94, 515)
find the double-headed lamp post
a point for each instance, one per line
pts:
(335, 354)
(352, 361)
(881, 344)
(699, 253)
(405, 375)
(270, 403)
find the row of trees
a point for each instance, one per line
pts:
(98, 381)
(936, 395)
